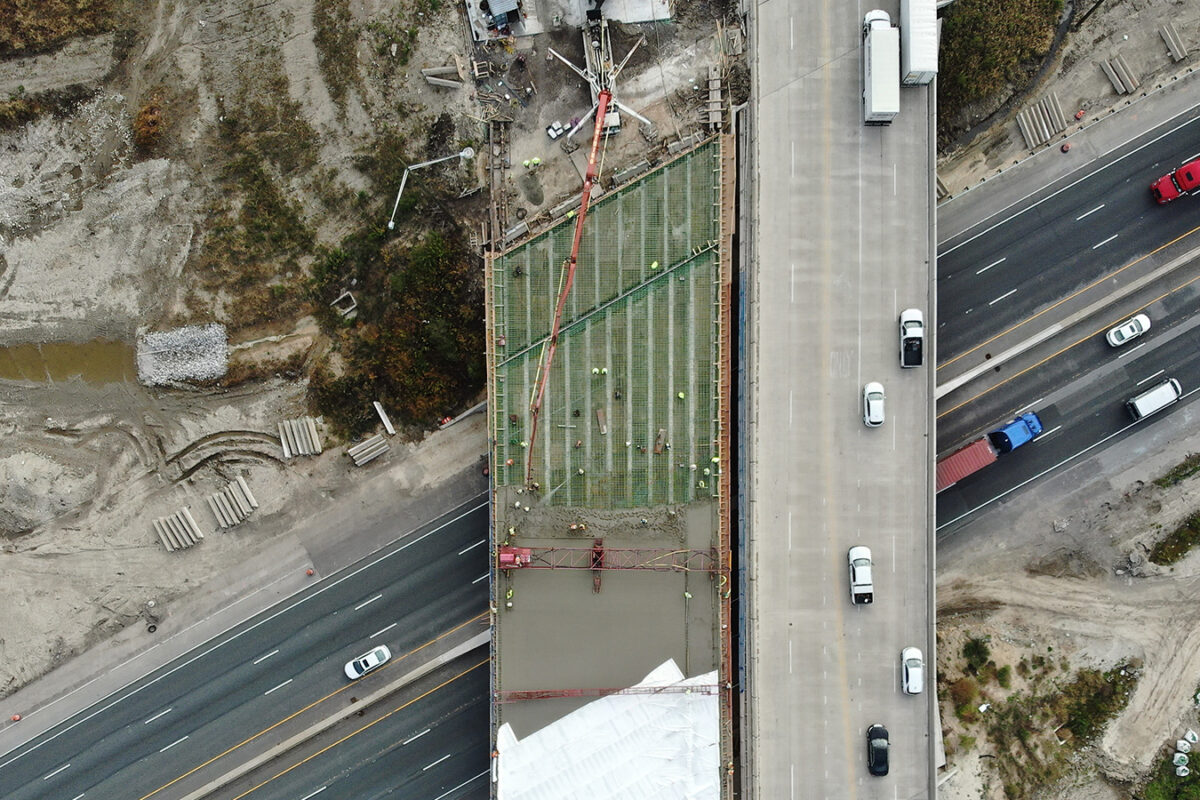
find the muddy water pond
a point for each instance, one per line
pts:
(97, 361)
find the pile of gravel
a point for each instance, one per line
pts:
(191, 353)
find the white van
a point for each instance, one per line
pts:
(1155, 399)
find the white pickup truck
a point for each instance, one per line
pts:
(862, 591)
(912, 338)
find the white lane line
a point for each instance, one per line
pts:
(993, 264)
(156, 716)
(434, 764)
(361, 606)
(1131, 349)
(314, 794)
(305, 598)
(418, 736)
(261, 659)
(1093, 211)
(383, 630)
(791, 33)
(482, 577)
(472, 546)
(1045, 472)
(172, 744)
(52, 774)
(449, 792)
(1152, 377)
(1106, 241)
(76, 797)
(1066, 188)
(1192, 157)
(1001, 297)
(1052, 430)
(280, 686)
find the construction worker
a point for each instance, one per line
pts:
(536, 162)
(526, 163)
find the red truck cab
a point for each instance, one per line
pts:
(1183, 180)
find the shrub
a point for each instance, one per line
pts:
(976, 652)
(1004, 676)
(984, 44)
(1178, 543)
(147, 126)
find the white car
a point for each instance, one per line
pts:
(873, 404)
(367, 662)
(1129, 329)
(912, 667)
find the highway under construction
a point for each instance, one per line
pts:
(608, 366)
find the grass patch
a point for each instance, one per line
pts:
(986, 45)
(1022, 728)
(336, 40)
(384, 33)
(1164, 784)
(1180, 472)
(419, 347)
(1178, 543)
(35, 26)
(21, 108)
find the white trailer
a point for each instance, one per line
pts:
(881, 69)
(919, 41)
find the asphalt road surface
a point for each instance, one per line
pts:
(1080, 398)
(1062, 238)
(292, 656)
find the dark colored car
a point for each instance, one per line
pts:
(877, 750)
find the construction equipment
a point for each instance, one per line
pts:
(601, 76)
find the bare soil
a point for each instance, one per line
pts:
(101, 238)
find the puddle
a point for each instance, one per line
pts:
(97, 361)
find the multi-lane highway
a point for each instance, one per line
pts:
(1061, 238)
(239, 691)
(1071, 259)
(841, 228)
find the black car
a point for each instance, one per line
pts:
(877, 750)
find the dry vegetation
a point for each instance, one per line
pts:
(990, 49)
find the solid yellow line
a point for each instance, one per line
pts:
(1093, 285)
(1048, 358)
(352, 734)
(311, 705)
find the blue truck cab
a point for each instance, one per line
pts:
(1016, 433)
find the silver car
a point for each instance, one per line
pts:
(367, 662)
(912, 668)
(873, 404)
(1127, 330)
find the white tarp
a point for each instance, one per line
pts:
(621, 747)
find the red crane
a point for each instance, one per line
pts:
(552, 343)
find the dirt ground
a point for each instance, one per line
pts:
(1055, 580)
(1129, 28)
(99, 241)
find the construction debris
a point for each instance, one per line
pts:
(190, 353)
(368, 451)
(178, 531)
(299, 437)
(233, 504)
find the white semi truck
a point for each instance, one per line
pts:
(918, 41)
(881, 69)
